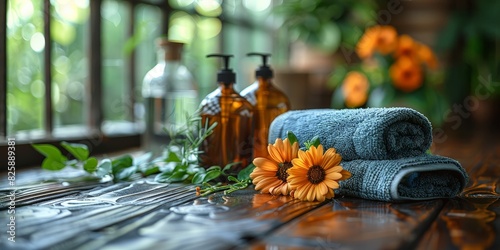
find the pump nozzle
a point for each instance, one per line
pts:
(225, 75)
(264, 70)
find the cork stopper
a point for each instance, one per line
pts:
(172, 49)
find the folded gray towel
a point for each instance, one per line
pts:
(415, 178)
(372, 133)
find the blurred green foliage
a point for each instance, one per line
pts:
(194, 23)
(327, 24)
(25, 47)
(472, 41)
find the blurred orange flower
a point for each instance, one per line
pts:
(382, 39)
(406, 47)
(425, 55)
(406, 74)
(355, 89)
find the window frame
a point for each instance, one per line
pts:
(92, 136)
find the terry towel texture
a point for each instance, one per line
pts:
(415, 178)
(372, 133)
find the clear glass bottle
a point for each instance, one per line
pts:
(232, 138)
(169, 92)
(268, 101)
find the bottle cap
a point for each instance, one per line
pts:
(264, 70)
(173, 49)
(225, 75)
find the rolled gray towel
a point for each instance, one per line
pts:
(371, 133)
(415, 178)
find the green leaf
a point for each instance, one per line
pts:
(152, 169)
(50, 151)
(229, 166)
(104, 168)
(210, 175)
(90, 165)
(143, 159)
(124, 174)
(72, 163)
(244, 174)
(163, 177)
(313, 142)
(78, 150)
(171, 177)
(291, 137)
(52, 164)
(178, 177)
(198, 178)
(173, 157)
(121, 163)
(213, 168)
(232, 178)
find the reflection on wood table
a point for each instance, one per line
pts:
(148, 215)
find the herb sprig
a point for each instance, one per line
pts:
(178, 163)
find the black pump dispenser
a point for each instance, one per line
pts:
(225, 75)
(264, 70)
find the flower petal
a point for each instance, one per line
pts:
(333, 176)
(274, 151)
(311, 194)
(265, 164)
(345, 175)
(335, 169)
(331, 183)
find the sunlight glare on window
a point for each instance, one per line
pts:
(75, 11)
(181, 3)
(37, 42)
(182, 27)
(24, 9)
(25, 42)
(257, 5)
(38, 89)
(62, 32)
(209, 28)
(75, 90)
(28, 31)
(209, 7)
(110, 12)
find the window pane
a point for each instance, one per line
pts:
(115, 21)
(25, 46)
(201, 36)
(148, 28)
(69, 25)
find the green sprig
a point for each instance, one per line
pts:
(179, 162)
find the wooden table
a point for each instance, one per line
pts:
(146, 215)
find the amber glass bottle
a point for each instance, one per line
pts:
(232, 138)
(268, 101)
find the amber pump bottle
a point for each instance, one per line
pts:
(231, 140)
(268, 101)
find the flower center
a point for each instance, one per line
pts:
(316, 174)
(282, 168)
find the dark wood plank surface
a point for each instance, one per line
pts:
(147, 215)
(470, 221)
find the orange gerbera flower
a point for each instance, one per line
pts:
(377, 38)
(355, 89)
(406, 47)
(270, 175)
(315, 175)
(425, 55)
(406, 75)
